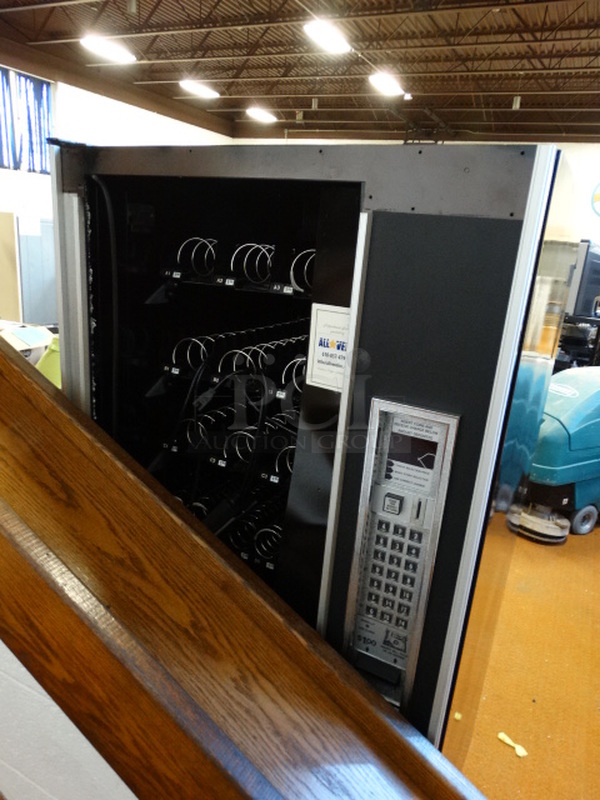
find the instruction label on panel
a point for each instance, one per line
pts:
(328, 351)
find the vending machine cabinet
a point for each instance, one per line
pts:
(312, 347)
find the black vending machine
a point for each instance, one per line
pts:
(312, 348)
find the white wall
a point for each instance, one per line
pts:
(43, 756)
(87, 118)
(571, 216)
(25, 194)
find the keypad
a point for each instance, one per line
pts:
(396, 554)
(407, 466)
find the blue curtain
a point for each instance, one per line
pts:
(25, 122)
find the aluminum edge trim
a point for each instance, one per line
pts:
(356, 302)
(72, 296)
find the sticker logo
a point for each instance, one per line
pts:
(596, 200)
(563, 391)
(332, 344)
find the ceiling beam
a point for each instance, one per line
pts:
(406, 76)
(249, 22)
(45, 6)
(451, 123)
(369, 51)
(524, 123)
(433, 93)
(247, 130)
(321, 113)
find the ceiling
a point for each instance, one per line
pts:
(465, 64)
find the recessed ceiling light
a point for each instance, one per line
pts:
(260, 114)
(407, 96)
(108, 48)
(199, 89)
(386, 83)
(327, 36)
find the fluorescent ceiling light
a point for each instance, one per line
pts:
(386, 83)
(108, 48)
(260, 114)
(197, 88)
(327, 36)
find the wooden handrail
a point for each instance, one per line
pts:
(186, 673)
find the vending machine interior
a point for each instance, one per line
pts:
(312, 349)
(200, 307)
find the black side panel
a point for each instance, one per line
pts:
(434, 310)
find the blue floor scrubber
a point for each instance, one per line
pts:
(563, 488)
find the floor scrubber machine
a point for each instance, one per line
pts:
(563, 486)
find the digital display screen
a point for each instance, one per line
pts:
(412, 450)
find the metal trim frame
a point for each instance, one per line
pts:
(535, 215)
(379, 407)
(21, 316)
(341, 442)
(72, 294)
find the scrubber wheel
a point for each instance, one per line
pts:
(584, 520)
